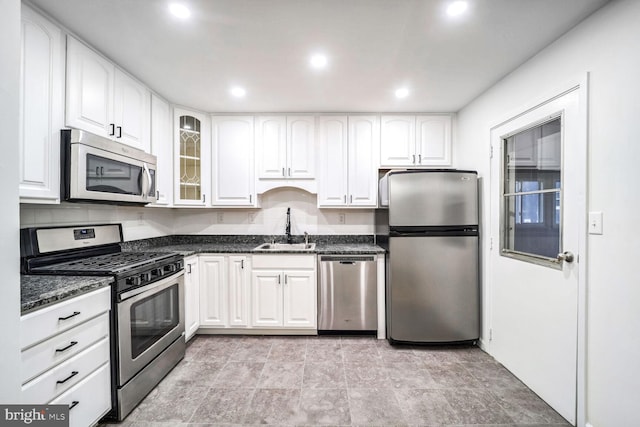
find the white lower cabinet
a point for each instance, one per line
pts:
(284, 291)
(191, 296)
(65, 356)
(224, 291)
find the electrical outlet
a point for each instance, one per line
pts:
(252, 217)
(341, 218)
(220, 217)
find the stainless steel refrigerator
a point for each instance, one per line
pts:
(431, 232)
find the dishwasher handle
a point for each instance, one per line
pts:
(348, 259)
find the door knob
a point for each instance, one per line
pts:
(565, 256)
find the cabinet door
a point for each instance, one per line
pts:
(213, 295)
(191, 296)
(271, 146)
(266, 296)
(192, 145)
(301, 147)
(233, 161)
(41, 115)
(299, 299)
(162, 148)
(364, 138)
(239, 289)
(433, 140)
(332, 147)
(89, 90)
(131, 111)
(398, 141)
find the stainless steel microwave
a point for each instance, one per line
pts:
(97, 169)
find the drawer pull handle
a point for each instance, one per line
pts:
(75, 313)
(73, 404)
(67, 347)
(73, 374)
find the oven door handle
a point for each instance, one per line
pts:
(132, 293)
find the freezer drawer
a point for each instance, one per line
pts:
(347, 299)
(432, 289)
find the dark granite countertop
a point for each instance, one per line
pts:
(41, 291)
(201, 244)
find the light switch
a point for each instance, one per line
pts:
(595, 222)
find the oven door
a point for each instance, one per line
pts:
(149, 319)
(98, 174)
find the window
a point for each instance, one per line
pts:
(532, 193)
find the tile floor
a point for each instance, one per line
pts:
(337, 381)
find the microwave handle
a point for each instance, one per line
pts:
(145, 188)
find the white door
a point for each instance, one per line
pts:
(271, 146)
(232, 161)
(191, 297)
(132, 105)
(433, 140)
(162, 147)
(89, 90)
(301, 133)
(364, 139)
(299, 299)
(398, 141)
(213, 295)
(238, 290)
(537, 213)
(332, 144)
(266, 295)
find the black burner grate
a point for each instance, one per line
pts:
(110, 263)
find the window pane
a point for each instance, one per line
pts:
(532, 191)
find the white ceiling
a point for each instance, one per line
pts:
(374, 47)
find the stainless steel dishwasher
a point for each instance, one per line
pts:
(347, 293)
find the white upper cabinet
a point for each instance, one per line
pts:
(333, 184)
(192, 144)
(364, 139)
(132, 111)
(233, 161)
(285, 152)
(423, 140)
(348, 161)
(162, 148)
(42, 108)
(301, 147)
(103, 100)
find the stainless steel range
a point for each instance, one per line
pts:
(147, 315)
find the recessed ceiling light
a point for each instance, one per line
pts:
(179, 10)
(457, 8)
(238, 92)
(403, 92)
(318, 61)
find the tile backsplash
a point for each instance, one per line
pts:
(147, 222)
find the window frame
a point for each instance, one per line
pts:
(541, 260)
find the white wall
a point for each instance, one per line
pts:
(605, 45)
(9, 249)
(146, 222)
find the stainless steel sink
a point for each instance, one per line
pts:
(295, 247)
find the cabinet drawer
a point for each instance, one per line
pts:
(44, 323)
(282, 262)
(91, 398)
(47, 386)
(49, 353)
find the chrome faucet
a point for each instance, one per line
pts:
(306, 238)
(287, 227)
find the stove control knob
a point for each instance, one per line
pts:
(133, 281)
(169, 268)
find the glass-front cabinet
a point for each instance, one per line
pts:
(192, 145)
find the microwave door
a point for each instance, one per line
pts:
(101, 175)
